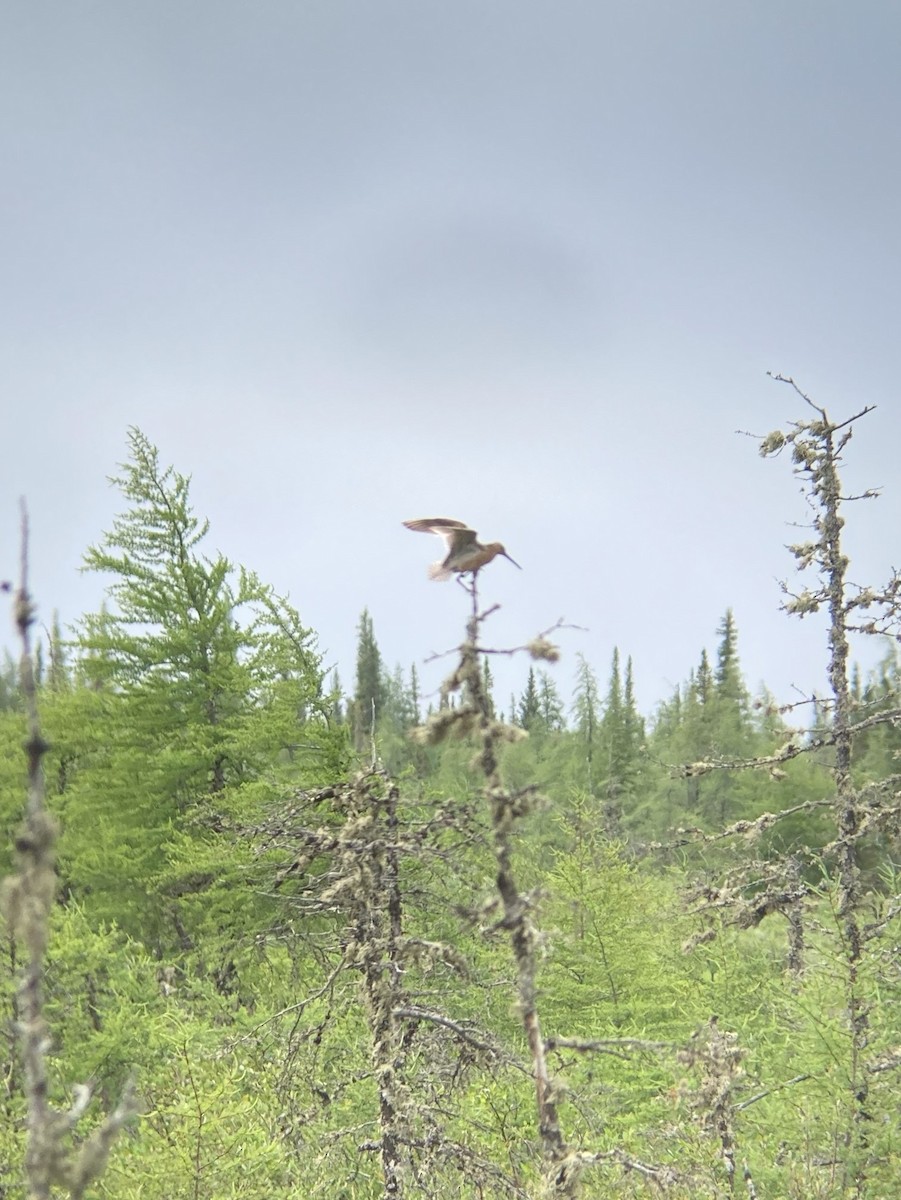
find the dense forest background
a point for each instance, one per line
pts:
(353, 943)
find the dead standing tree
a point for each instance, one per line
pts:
(817, 446)
(513, 911)
(860, 813)
(350, 847)
(351, 864)
(51, 1160)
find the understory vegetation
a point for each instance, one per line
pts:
(265, 939)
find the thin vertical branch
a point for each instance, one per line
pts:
(28, 897)
(817, 447)
(27, 902)
(517, 916)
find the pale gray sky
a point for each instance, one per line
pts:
(523, 264)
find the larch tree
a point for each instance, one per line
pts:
(202, 682)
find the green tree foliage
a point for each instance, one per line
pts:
(550, 706)
(621, 739)
(488, 684)
(9, 684)
(199, 688)
(399, 708)
(709, 719)
(877, 751)
(309, 968)
(369, 687)
(586, 711)
(335, 698)
(734, 731)
(528, 709)
(731, 732)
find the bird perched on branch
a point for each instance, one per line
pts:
(464, 552)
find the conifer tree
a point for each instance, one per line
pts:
(9, 684)
(634, 723)
(733, 727)
(621, 734)
(201, 678)
(415, 695)
(704, 681)
(668, 718)
(336, 698)
(398, 708)
(614, 762)
(550, 706)
(586, 710)
(369, 692)
(38, 664)
(612, 721)
(528, 711)
(877, 751)
(58, 672)
(698, 716)
(488, 684)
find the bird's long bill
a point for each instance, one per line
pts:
(513, 560)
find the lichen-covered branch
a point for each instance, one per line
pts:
(473, 716)
(801, 744)
(816, 446)
(50, 1160)
(350, 865)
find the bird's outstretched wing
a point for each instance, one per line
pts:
(435, 525)
(455, 533)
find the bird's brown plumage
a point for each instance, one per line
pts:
(464, 552)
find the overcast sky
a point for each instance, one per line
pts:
(522, 264)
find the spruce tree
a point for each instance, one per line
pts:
(634, 723)
(704, 681)
(698, 717)
(586, 709)
(621, 733)
(733, 727)
(550, 706)
(58, 673)
(335, 698)
(369, 691)
(528, 711)
(415, 696)
(488, 684)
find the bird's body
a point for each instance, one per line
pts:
(464, 552)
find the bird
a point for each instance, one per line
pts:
(464, 552)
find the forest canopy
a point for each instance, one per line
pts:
(308, 941)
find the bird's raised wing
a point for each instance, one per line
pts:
(455, 533)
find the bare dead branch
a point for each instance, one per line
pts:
(786, 753)
(617, 1047)
(752, 827)
(538, 647)
(788, 379)
(461, 1031)
(743, 1104)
